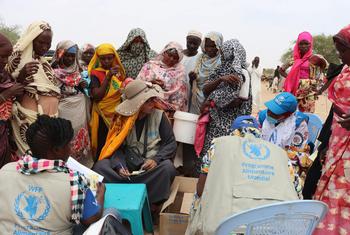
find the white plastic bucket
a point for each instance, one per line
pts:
(185, 127)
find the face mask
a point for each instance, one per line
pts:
(136, 48)
(272, 120)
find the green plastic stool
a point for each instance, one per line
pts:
(131, 201)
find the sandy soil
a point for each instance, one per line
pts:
(322, 104)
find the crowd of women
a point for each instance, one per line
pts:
(121, 102)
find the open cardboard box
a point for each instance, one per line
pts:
(175, 211)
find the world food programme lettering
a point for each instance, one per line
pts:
(259, 153)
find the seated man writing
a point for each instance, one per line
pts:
(286, 127)
(39, 194)
(140, 144)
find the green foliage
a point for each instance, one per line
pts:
(323, 45)
(11, 32)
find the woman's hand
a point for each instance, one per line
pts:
(230, 79)
(193, 76)
(83, 84)
(158, 82)
(101, 189)
(236, 102)
(149, 165)
(112, 72)
(205, 107)
(28, 70)
(345, 122)
(16, 90)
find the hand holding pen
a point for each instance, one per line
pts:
(124, 172)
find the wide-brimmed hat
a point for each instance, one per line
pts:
(136, 93)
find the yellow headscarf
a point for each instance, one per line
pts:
(105, 49)
(105, 107)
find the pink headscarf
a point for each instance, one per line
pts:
(292, 80)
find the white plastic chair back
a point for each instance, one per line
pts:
(285, 218)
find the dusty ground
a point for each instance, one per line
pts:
(322, 104)
(322, 109)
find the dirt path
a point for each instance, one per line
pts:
(322, 104)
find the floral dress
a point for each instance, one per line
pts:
(334, 185)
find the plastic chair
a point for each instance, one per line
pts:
(292, 218)
(132, 202)
(314, 125)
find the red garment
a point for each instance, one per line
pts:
(334, 185)
(201, 128)
(292, 81)
(101, 75)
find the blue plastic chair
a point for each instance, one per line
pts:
(314, 125)
(131, 201)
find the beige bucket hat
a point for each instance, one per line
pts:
(136, 93)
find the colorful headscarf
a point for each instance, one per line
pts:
(105, 108)
(45, 82)
(343, 36)
(134, 56)
(105, 49)
(28, 165)
(292, 80)
(175, 88)
(70, 76)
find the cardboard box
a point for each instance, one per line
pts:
(175, 211)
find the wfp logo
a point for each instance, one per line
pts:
(32, 205)
(255, 151)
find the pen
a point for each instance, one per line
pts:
(124, 170)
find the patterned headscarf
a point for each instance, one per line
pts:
(134, 56)
(175, 89)
(70, 76)
(45, 82)
(233, 61)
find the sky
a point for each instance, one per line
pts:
(266, 28)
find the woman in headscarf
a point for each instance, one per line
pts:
(303, 78)
(222, 92)
(206, 63)
(135, 52)
(42, 94)
(73, 103)
(107, 74)
(85, 55)
(334, 185)
(9, 89)
(167, 72)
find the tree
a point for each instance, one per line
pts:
(11, 32)
(323, 45)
